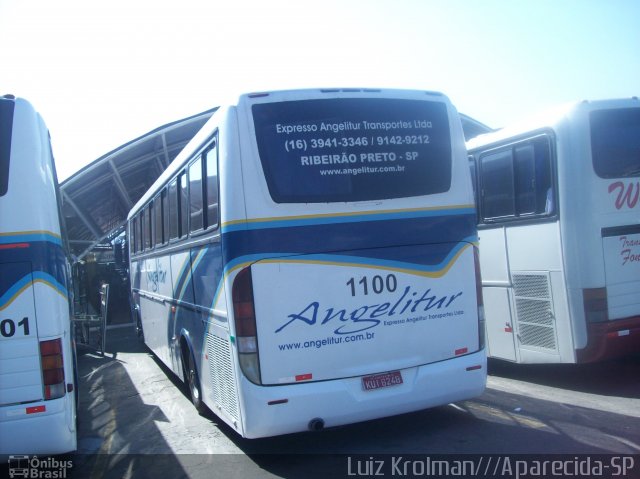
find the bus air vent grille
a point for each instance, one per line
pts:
(534, 308)
(223, 378)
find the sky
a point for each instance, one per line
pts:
(104, 73)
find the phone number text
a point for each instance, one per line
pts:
(346, 142)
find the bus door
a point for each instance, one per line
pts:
(496, 292)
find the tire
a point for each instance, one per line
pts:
(193, 382)
(139, 331)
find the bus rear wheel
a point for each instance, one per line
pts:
(139, 330)
(192, 380)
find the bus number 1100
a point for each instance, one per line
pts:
(377, 284)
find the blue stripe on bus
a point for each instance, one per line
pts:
(314, 220)
(358, 261)
(30, 237)
(376, 239)
(434, 270)
(42, 277)
(431, 270)
(183, 282)
(44, 258)
(17, 288)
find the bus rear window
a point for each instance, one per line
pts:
(615, 142)
(6, 128)
(334, 150)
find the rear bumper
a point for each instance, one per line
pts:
(344, 401)
(47, 432)
(611, 339)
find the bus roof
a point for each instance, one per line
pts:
(548, 118)
(208, 129)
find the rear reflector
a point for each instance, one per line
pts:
(36, 409)
(52, 369)
(617, 334)
(474, 368)
(304, 377)
(14, 246)
(460, 351)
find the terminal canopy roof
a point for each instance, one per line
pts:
(473, 128)
(97, 199)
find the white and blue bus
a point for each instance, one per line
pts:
(309, 260)
(559, 226)
(37, 381)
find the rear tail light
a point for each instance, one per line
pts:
(480, 301)
(595, 304)
(245, 322)
(52, 369)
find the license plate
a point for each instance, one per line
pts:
(383, 380)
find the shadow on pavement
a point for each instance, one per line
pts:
(111, 414)
(608, 378)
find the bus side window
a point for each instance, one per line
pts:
(146, 227)
(497, 185)
(148, 243)
(211, 170)
(525, 179)
(157, 207)
(474, 178)
(133, 237)
(183, 203)
(545, 194)
(173, 210)
(516, 182)
(139, 229)
(165, 216)
(195, 195)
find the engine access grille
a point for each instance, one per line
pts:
(534, 310)
(223, 378)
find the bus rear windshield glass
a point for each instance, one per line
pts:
(615, 142)
(344, 150)
(6, 128)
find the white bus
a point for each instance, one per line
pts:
(37, 382)
(559, 226)
(308, 260)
